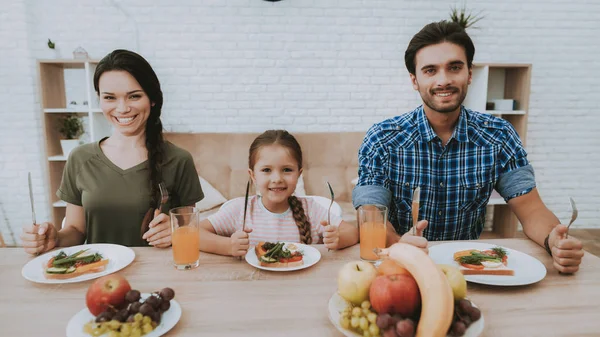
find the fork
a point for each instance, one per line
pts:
(574, 214)
(164, 196)
(330, 204)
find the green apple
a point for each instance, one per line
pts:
(354, 281)
(457, 281)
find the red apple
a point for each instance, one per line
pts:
(105, 291)
(395, 294)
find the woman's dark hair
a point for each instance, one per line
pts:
(438, 32)
(285, 139)
(140, 69)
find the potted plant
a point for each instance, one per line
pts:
(464, 19)
(71, 129)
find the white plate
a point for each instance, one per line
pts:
(337, 304)
(527, 269)
(167, 322)
(119, 258)
(311, 256)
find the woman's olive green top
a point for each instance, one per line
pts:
(114, 200)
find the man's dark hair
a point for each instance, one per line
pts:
(438, 32)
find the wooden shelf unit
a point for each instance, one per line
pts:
(53, 90)
(493, 81)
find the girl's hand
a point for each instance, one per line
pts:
(331, 235)
(240, 242)
(159, 234)
(39, 238)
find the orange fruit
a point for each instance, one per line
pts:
(391, 267)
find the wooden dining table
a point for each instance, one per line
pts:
(225, 296)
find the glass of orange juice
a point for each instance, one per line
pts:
(372, 220)
(185, 237)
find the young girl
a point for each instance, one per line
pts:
(275, 164)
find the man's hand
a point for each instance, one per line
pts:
(240, 242)
(416, 239)
(566, 252)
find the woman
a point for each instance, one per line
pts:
(111, 185)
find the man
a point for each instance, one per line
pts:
(456, 156)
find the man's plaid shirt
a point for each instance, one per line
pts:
(456, 180)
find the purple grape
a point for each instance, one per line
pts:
(475, 314)
(383, 321)
(167, 294)
(132, 296)
(164, 306)
(458, 328)
(153, 301)
(405, 328)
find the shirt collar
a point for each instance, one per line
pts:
(427, 133)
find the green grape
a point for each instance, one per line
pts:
(356, 312)
(374, 329)
(87, 328)
(347, 309)
(136, 332)
(346, 314)
(372, 317)
(366, 333)
(147, 328)
(114, 324)
(138, 317)
(136, 324)
(364, 323)
(146, 320)
(113, 334)
(365, 305)
(354, 322)
(125, 329)
(97, 332)
(345, 322)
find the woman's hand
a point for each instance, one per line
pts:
(159, 234)
(39, 238)
(240, 242)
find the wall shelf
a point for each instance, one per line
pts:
(493, 81)
(60, 82)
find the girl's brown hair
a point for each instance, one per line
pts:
(285, 139)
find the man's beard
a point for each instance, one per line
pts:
(429, 100)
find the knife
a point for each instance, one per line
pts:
(246, 205)
(415, 207)
(31, 198)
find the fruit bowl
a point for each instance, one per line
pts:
(337, 304)
(169, 318)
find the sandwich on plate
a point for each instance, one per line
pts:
(278, 255)
(63, 266)
(483, 262)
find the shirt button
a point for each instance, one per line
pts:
(440, 213)
(406, 184)
(442, 184)
(485, 123)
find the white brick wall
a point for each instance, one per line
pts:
(306, 65)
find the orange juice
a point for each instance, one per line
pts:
(372, 235)
(186, 245)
